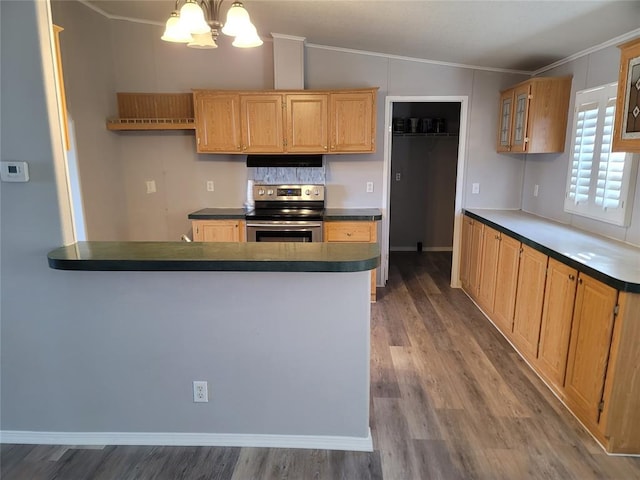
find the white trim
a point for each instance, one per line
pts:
(288, 37)
(418, 60)
(609, 43)
(424, 249)
(386, 178)
(323, 442)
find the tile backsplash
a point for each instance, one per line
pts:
(278, 175)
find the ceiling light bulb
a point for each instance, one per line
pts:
(192, 18)
(237, 20)
(174, 32)
(248, 39)
(203, 40)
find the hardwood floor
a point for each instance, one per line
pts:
(450, 399)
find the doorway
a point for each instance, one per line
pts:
(424, 167)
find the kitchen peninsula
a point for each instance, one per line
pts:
(280, 331)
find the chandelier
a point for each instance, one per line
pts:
(197, 23)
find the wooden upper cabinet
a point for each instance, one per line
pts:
(353, 121)
(529, 301)
(261, 123)
(532, 116)
(217, 118)
(589, 347)
(307, 123)
(557, 313)
(504, 121)
(627, 121)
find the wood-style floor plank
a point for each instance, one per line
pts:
(450, 400)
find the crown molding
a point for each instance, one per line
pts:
(289, 37)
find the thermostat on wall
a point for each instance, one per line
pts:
(14, 172)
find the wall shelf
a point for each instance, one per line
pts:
(153, 111)
(407, 134)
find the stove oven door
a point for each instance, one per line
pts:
(284, 231)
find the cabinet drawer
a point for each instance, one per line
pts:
(350, 232)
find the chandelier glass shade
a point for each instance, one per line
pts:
(197, 24)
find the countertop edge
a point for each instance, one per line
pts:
(58, 259)
(616, 283)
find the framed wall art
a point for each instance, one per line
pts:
(626, 132)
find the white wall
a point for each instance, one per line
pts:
(549, 171)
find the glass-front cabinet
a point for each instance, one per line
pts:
(504, 129)
(521, 115)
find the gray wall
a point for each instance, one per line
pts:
(117, 351)
(549, 171)
(143, 63)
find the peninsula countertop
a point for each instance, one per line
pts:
(610, 261)
(211, 256)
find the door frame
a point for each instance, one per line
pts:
(463, 100)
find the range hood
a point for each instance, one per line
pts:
(284, 160)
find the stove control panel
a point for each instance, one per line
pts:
(288, 192)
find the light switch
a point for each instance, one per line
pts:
(535, 190)
(151, 186)
(475, 188)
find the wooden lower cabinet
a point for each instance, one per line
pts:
(506, 283)
(593, 317)
(353, 231)
(580, 335)
(471, 250)
(218, 230)
(488, 268)
(529, 301)
(557, 314)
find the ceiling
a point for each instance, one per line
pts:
(507, 34)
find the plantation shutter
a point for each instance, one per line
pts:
(611, 167)
(583, 151)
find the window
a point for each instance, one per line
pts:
(599, 180)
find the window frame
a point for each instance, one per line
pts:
(586, 189)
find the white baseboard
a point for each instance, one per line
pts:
(360, 444)
(424, 249)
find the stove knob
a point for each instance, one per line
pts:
(269, 192)
(307, 192)
(316, 192)
(261, 191)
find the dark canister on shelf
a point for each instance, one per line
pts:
(440, 125)
(398, 125)
(427, 125)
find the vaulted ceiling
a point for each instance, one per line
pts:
(508, 34)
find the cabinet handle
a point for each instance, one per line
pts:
(580, 281)
(325, 147)
(572, 277)
(348, 234)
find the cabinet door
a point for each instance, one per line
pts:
(218, 230)
(504, 121)
(261, 123)
(475, 257)
(465, 250)
(520, 118)
(506, 283)
(557, 312)
(489, 268)
(529, 301)
(360, 231)
(593, 318)
(352, 122)
(307, 123)
(217, 118)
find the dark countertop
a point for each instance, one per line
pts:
(201, 256)
(612, 262)
(349, 214)
(330, 214)
(218, 214)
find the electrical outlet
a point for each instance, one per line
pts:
(398, 177)
(369, 187)
(475, 188)
(200, 391)
(151, 186)
(210, 187)
(535, 190)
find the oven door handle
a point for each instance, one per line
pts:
(285, 224)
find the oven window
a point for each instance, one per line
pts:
(283, 236)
